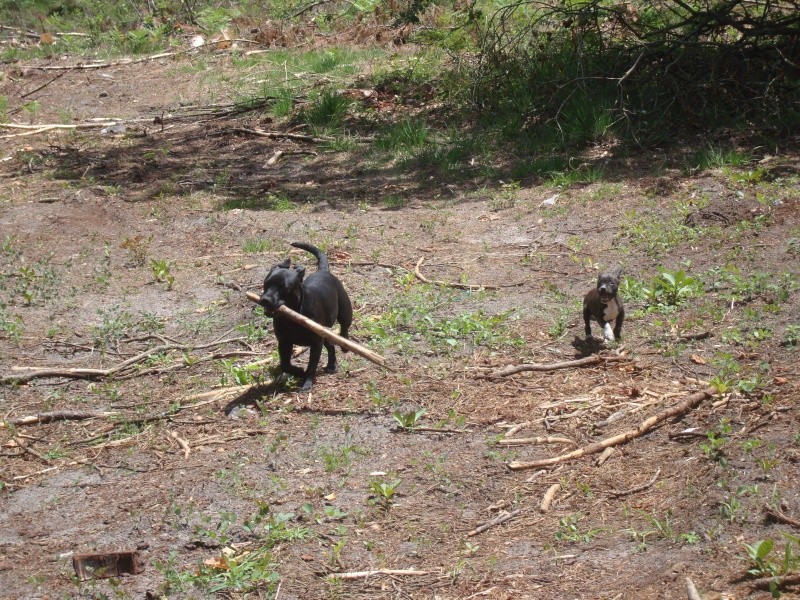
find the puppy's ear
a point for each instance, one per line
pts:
(285, 264)
(300, 270)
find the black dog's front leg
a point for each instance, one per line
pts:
(587, 318)
(314, 352)
(285, 354)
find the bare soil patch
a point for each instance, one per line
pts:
(84, 213)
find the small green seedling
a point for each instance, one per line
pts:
(382, 492)
(161, 271)
(408, 421)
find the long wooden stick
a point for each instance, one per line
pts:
(569, 364)
(672, 411)
(363, 574)
(535, 440)
(49, 417)
(326, 333)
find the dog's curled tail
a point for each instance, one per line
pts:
(322, 260)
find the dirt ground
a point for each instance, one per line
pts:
(190, 456)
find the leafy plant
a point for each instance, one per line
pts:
(410, 420)
(716, 440)
(569, 530)
(383, 492)
(162, 271)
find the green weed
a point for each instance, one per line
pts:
(406, 135)
(410, 420)
(326, 111)
(162, 271)
(714, 157)
(257, 245)
(382, 493)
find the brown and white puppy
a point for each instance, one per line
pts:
(602, 304)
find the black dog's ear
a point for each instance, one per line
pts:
(285, 264)
(300, 270)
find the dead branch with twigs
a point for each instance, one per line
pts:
(535, 440)
(127, 368)
(352, 575)
(499, 519)
(569, 364)
(51, 417)
(673, 411)
(779, 517)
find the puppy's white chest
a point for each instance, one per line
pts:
(610, 311)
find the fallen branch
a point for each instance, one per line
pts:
(638, 488)
(326, 333)
(779, 582)
(779, 517)
(547, 499)
(281, 135)
(534, 440)
(116, 370)
(569, 364)
(606, 454)
(50, 417)
(673, 411)
(116, 63)
(501, 518)
(691, 591)
(181, 442)
(516, 428)
(352, 575)
(459, 286)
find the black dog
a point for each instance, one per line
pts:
(321, 298)
(603, 304)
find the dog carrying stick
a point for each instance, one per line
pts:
(327, 333)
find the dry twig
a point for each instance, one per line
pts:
(501, 518)
(691, 591)
(534, 440)
(673, 411)
(779, 517)
(638, 488)
(547, 499)
(569, 364)
(352, 575)
(49, 417)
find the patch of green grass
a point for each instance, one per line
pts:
(570, 177)
(326, 111)
(713, 157)
(656, 234)
(12, 326)
(257, 245)
(267, 202)
(405, 135)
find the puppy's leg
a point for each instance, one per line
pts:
(285, 354)
(587, 319)
(608, 330)
(314, 352)
(618, 326)
(331, 349)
